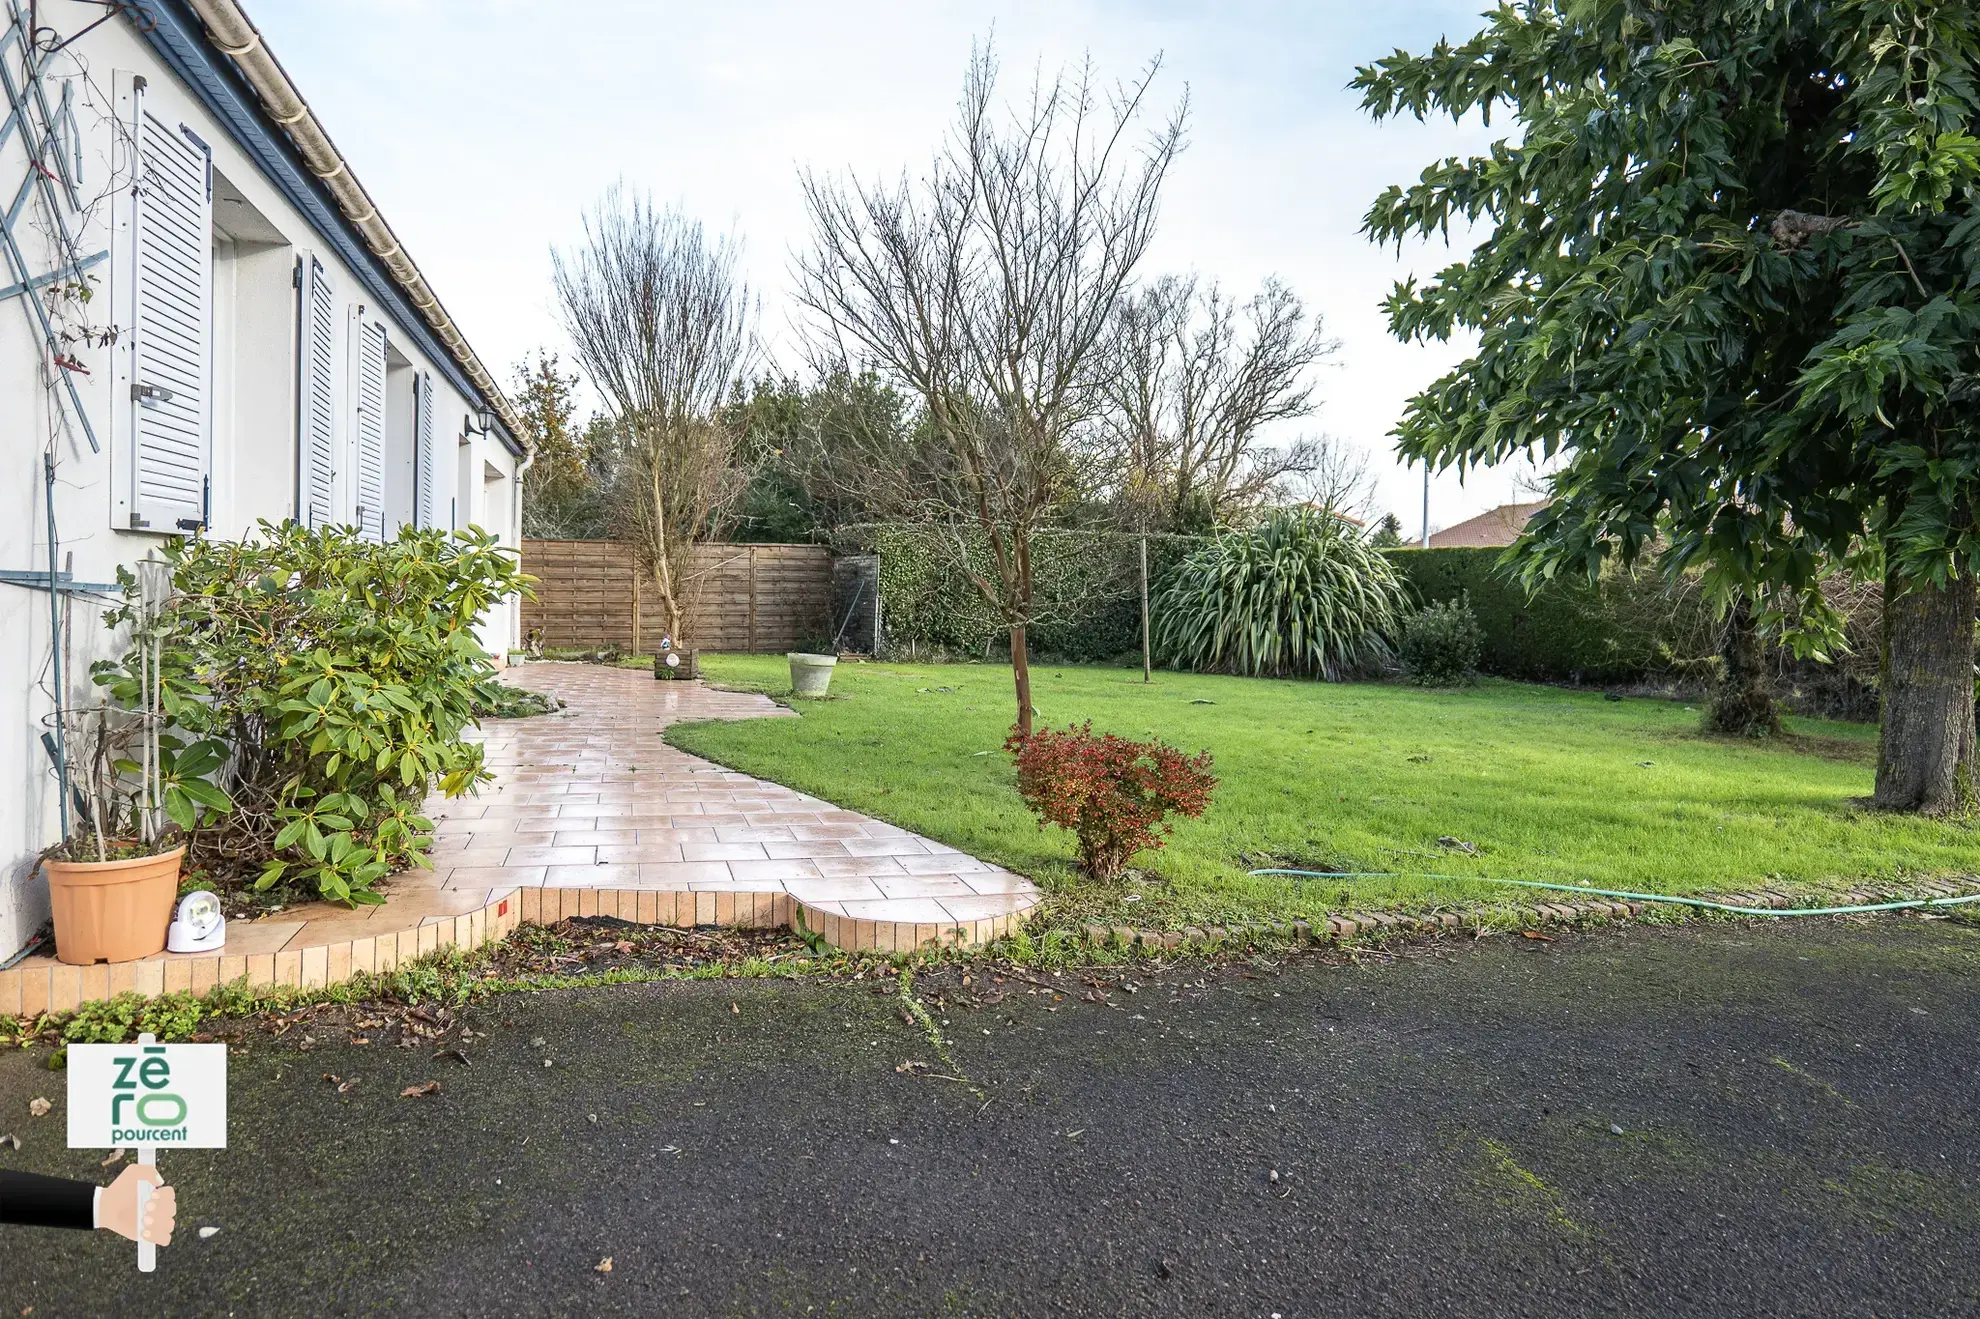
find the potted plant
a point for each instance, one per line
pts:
(811, 668)
(113, 881)
(136, 790)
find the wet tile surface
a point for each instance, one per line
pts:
(591, 799)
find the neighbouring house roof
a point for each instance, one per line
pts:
(221, 56)
(1498, 526)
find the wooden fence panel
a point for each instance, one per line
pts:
(764, 598)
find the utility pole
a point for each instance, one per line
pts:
(1426, 503)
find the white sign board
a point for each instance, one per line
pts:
(166, 1096)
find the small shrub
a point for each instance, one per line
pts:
(1439, 645)
(1112, 793)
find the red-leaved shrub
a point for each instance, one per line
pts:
(1111, 792)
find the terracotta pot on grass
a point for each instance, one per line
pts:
(112, 911)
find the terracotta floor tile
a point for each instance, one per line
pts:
(593, 837)
(988, 905)
(249, 938)
(998, 881)
(751, 833)
(924, 886)
(315, 934)
(687, 872)
(912, 911)
(641, 853)
(883, 847)
(943, 863)
(773, 872)
(466, 877)
(833, 890)
(417, 908)
(723, 852)
(853, 867)
(551, 856)
(621, 875)
(417, 877)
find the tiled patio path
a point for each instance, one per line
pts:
(592, 813)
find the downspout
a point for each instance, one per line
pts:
(529, 458)
(235, 35)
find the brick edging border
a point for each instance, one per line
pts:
(39, 986)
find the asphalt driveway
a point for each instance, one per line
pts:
(1725, 1121)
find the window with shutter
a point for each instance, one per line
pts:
(425, 458)
(172, 338)
(316, 398)
(370, 349)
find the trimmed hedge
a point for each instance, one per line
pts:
(1626, 626)
(1088, 587)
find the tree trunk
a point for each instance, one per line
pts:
(1742, 705)
(1021, 678)
(1925, 751)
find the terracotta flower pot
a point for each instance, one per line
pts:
(112, 911)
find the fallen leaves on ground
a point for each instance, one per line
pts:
(420, 1091)
(603, 1265)
(38, 1107)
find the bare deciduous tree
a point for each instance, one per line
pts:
(1192, 378)
(664, 326)
(985, 288)
(1331, 473)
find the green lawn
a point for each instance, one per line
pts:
(1547, 784)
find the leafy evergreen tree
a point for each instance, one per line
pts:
(1729, 275)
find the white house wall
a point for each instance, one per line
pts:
(258, 239)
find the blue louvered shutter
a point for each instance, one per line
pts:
(172, 337)
(369, 338)
(425, 457)
(316, 404)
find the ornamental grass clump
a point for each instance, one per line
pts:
(1113, 793)
(1301, 594)
(340, 674)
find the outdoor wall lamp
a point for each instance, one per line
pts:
(200, 927)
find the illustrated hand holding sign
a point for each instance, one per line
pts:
(141, 1096)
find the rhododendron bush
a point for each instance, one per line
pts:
(1113, 793)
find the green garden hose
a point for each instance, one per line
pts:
(1635, 897)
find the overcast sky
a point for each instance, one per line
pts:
(483, 128)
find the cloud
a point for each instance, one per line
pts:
(483, 129)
